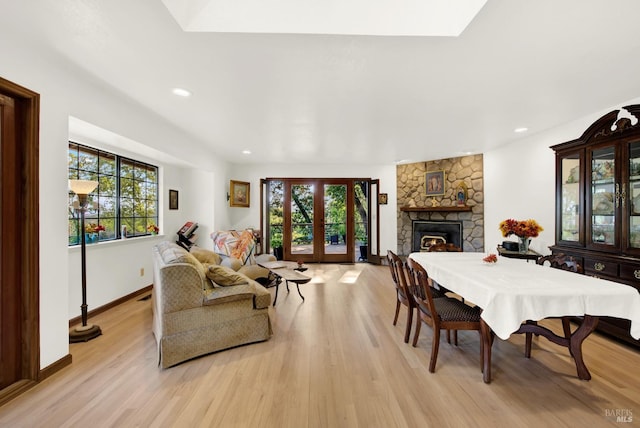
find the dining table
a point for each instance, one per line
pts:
(514, 295)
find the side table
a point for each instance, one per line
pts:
(529, 255)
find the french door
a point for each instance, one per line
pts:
(318, 220)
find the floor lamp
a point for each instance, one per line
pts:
(85, 332)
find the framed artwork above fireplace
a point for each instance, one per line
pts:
(434, 183)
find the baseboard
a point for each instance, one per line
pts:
(15, 389)
(54, 368)
(110, 305)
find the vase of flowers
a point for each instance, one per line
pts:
(153, 229)
(523, 229)
(91, 232)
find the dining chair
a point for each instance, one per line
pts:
(403, 294)
(556, 261)
(440, 314)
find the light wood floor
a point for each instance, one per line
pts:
(335, 360)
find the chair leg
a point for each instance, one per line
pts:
(407, 332)
(527, 341)
(448, 336)
(395, 319)
(418, 325)
(481, 351)
(434, 350)
(455, 337)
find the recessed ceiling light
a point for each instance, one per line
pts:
(246, 152)
(181, 92)
(520, 130)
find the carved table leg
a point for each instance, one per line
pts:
(575, 344)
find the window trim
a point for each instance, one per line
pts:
(118, 220)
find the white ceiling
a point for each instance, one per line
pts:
(351, 99)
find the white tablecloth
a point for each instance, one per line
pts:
(512, 291)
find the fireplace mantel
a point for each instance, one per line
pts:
(436, 209)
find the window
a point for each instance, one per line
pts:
(126, 197)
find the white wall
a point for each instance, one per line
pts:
(518, 183)
(241, 218)
(66, 91)
(519, 180)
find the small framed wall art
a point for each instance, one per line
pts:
(382, 199)
(239, 193)
(173, 199)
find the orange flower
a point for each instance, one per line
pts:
(521, 228)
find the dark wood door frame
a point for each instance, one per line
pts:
(319, 254)
(19, 242)
(371, 204)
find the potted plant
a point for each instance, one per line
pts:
(364, 250)
(276, 246)
(342, 230)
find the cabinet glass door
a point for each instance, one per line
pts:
(633, 198)
(604, 196)
(570, 209)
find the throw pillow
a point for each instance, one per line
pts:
(205, 256)
(225, 276)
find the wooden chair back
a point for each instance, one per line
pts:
(403, 293)
(561, 261)
(398, 273)
(421, 287)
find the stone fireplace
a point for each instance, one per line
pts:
(426, 233)
(415, 207)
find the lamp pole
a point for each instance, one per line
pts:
(86, 331)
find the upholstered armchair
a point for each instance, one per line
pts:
(201, 307)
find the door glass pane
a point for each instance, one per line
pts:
(276, 206)
(634, 194)
(570, 197)
(335, 218)
(361, 216)
(302, 197)
(603, 196)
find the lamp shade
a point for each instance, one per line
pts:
(82, 187)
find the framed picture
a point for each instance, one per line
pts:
(239, 191)
(382, 199)
(434, 183)
(173, 199)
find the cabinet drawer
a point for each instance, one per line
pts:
(630, 273)
(600, 268)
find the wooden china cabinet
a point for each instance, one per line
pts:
(598, 203)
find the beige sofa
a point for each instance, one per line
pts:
(193, 315)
